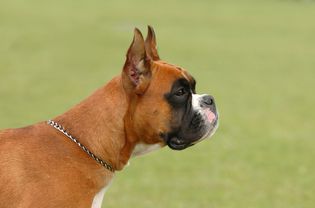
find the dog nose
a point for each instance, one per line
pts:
(207, 101)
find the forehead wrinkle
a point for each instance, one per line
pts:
(169, 65)
(189, 77)
(167, 73)
(164, 74)
(182, 71)
(179, 70)
(176, 71)
(185, 76)
(160, 66)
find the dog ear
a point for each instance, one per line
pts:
(136, 72)
(150, 45)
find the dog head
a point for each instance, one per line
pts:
(164, 108)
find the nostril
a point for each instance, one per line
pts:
(208, 100)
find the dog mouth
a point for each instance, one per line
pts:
(201, 126)
(176, 141)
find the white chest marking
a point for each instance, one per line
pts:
(98, 199)
(141, 149)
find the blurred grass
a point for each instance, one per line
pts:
(255, 57)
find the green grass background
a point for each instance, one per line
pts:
(256, 57)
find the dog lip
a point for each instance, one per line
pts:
(176, 144)
(216, 119)
(210, 115)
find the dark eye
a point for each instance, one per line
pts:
(180, 92)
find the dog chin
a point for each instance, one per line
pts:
(176, 143)
(209, 133)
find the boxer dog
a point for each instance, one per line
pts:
(68, 162)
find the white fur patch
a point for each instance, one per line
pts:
(141, 149)
(197, 107)
(196, 101)
(98, 199)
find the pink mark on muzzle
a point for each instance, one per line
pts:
(210, 115)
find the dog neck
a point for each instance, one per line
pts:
(98, 122)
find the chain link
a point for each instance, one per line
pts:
(97, 159)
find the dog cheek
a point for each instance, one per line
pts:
(149, 123)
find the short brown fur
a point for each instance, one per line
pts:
(40, 167)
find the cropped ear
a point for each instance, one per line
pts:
(150, 45)
(136, 73)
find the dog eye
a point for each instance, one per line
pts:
(180, 92)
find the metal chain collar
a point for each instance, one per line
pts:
(97, 159)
